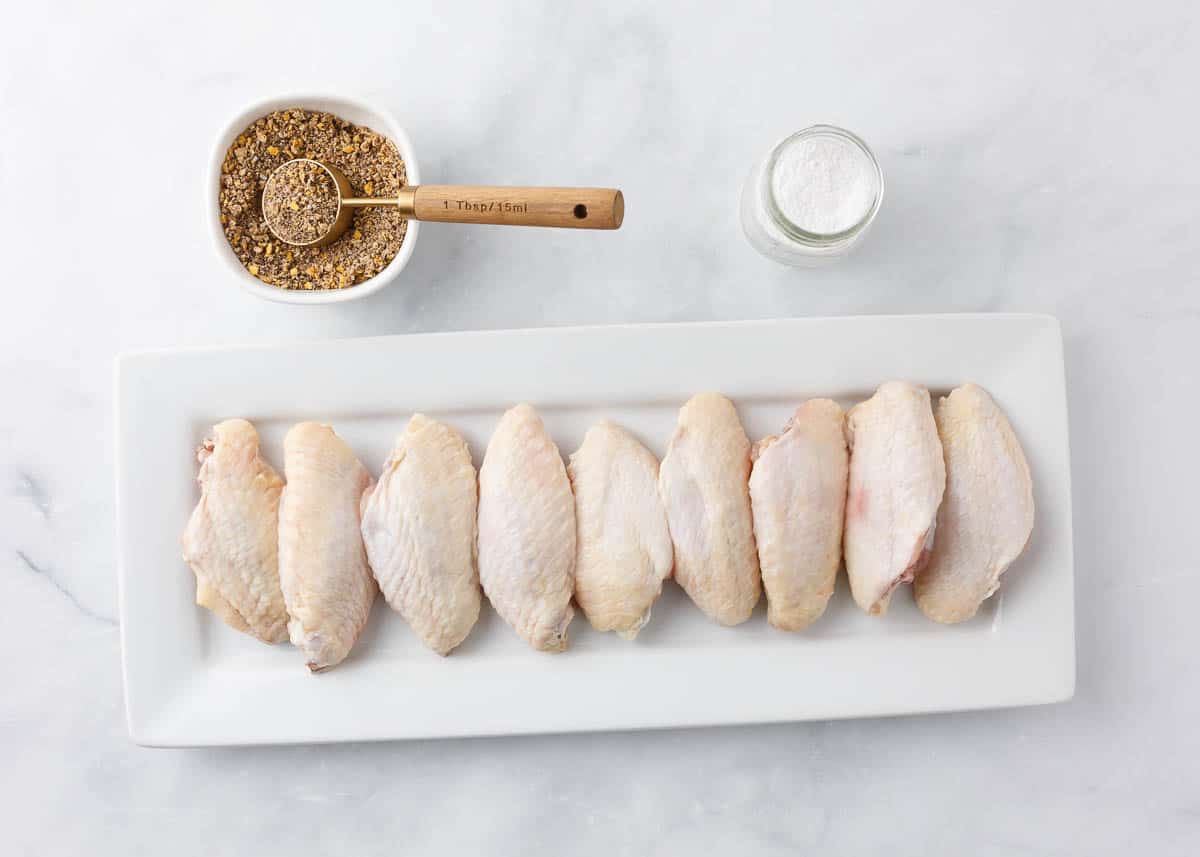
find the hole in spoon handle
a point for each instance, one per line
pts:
(567, 207)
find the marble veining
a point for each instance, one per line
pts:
(1038, 158)
(66, 593)
(26, 487)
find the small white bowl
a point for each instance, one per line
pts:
(354, 110)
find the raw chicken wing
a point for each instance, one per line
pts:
(987, 515)
(703, 483)
(418, 525)
(327, 583)
(623, 547)
(897, 477)
(231, 541)
(527, 530)
(798, 495)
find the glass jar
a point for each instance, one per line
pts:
(812, 198)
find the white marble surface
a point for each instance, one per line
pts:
(1038, 158)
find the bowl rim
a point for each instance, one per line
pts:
(329, 103)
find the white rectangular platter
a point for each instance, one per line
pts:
(190, 680)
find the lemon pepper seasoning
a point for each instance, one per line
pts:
(367, 158)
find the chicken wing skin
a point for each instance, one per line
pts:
(418, 525)
(703, 481)
(987, 515)
(623, 547)
(527, 530)
(897, 478)
(798, 495)
(231, 540)
(323, 568)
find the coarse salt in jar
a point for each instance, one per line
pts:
(813, 197)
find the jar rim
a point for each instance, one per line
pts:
(819, 239)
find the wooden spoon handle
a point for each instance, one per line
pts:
(570, 207)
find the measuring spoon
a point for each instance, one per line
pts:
(566, 207)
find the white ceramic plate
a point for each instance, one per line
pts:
(190, 680)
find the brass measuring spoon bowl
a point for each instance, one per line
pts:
(347, 202)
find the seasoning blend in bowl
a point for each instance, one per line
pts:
(812, 198)
(302, 198)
